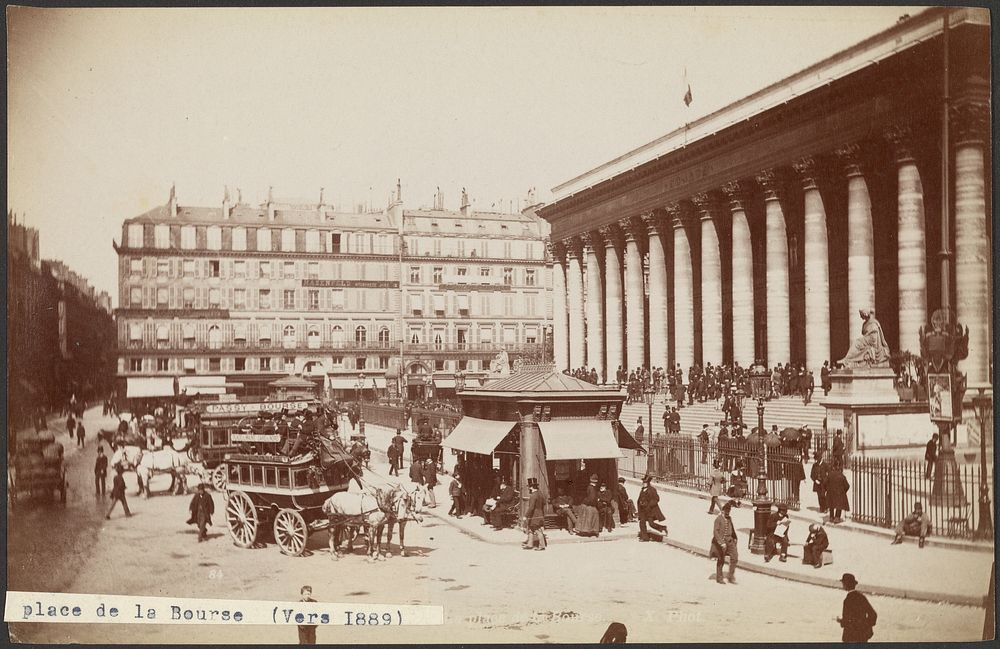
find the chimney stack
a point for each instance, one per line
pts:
(321, 208)
(270, 203)
(226, 209)
(465, 207)
(172, 203)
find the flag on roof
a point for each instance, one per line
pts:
(687, 96)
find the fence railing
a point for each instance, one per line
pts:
(395, 417)
(686, 461)
(885, 490)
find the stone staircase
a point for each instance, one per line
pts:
(784, 412)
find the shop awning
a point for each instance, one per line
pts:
(444, 383)
(154, 386)
(379, 382)
(626, 440)
(579, 439)
(344, 382)
(478, 435)
(201, 385)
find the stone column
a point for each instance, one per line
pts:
(614, 325)
(860, 239)
(658, 348)
(595, 305)
(911, 240)
(972, 244)
(711, 281)
(744, 341)
(817, 269)
(778, 319)
(560, 319)
(574, 296)
(635, 337)
(683, 292)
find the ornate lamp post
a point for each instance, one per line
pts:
(650, 395)
(760, 380)
(459, 381)
(984, 410)
(359, 386)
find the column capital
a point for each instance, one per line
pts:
(633, 227)
(737, 193)
(612, 235)
(809, 171)
(971, 121)
(706, 204)
(591, 241)
(900, 138)
(574, 247)
(773, 182)
(556, 250)
(852, 157)
(654, 222)
(679, 214)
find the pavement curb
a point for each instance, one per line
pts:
(885, 533)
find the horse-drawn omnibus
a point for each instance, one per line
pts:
(211, 425)
(268, 491)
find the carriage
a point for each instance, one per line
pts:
(212, 425)
(426, 443)
(281, 495)
(37, 468)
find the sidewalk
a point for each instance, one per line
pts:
(937, 574)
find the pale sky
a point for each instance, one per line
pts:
(108, 107)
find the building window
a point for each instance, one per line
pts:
(189, 366)
(214, 364)
(162, 364)
(313, 338)
(265, 269)
(313, 270)
(360, 334)
(414, 274)
(383, 337)
(214, 267)
(240, 269)
(530, 335)
(508, 276)
(360, 362)
(214, 337)
(337, 361)
(313, 300)
(135, 364)
(240, 298)
(438, 275)
(383, 362)
(135, 266)
(162, 335)
(135, 296)
(312, 241)
(188, 336)
(161, 236)
(189, 268)
(263, 239)
(289, 362)
(288, 336)
(187, 237)
(529, 304)
(463, 338)
(135, 233)
(463, 364)
(485, 271)
(462, 273)
(264, 298)
(335, 243)
(213, 297)
(337, 334)
(188, 297)
(239, 238)
(162, 267)
(214, 237)
(264, 363)
(288, 270)
(486, 335)
(135, 333)
(438, 340)
(240, 333)
(240, 364)
(529, 277)
(288, 240)
(264, 334)
(508, 305)
(337, 299)
(288, 299)
(438, 365)
(161, 297)
(414, 336)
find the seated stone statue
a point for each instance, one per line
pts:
(870, 349)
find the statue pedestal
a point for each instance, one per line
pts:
(856, 386)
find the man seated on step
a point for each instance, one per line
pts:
(917, 523)
(816, 543)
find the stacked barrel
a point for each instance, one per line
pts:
(38, 463)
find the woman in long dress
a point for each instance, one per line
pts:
(870, 349)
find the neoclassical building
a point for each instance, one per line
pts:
(760, 230)
(242, 294)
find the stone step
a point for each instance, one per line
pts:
(784, 412)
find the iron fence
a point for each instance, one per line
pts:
(885, 491)
(395, 417)
(687, 461)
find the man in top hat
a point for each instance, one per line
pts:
(858, 617)
(605, 507)
(639, 431)
(648, 510)
(625, 507)
(724, 544)
(534, 518)
(777, 534)
(505, 502)
(816, 543)
(202, 507)
(916, 524)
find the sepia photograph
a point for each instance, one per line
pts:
(499, 325)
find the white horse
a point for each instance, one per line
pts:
(369, 510)
(167, 460)
(128, 458)
(408, 509)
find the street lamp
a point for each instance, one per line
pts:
(459, 381)
(759, 385)
(359, 386)
(650, 395)
(984, 409)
